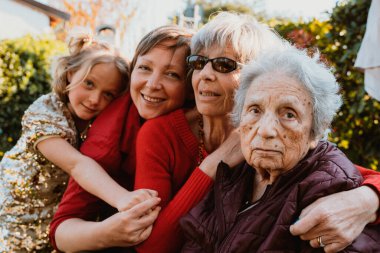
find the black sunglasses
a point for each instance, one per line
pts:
(220, 64)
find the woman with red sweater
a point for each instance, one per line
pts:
(172, 149)
(158, 85)
(168, 151)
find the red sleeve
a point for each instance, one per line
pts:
(103, 145)
(371, 179)
(155, 159)
(167, 235)
(75, 203)
(154, 154)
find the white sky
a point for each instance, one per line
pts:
(299, 8)
(154, 13)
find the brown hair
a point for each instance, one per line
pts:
(181, 38)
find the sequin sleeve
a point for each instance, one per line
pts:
(48, 117)
(30, 185)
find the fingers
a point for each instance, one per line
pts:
(149, 218)
(143, 194)
(145, 233)
(143, 207)
(152, 193)
(305, 224)
(329, 244)
(135, 197)
(334, 247)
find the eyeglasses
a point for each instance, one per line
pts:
(220, 64)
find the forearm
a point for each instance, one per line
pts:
(370, 201)
(91, 176)
(372, 180)
(88, 173)
(166, 235)
(75, 235)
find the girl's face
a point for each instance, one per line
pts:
(89, 97)
(214, 91)
(158, 81)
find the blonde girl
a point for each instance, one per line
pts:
(34, 173)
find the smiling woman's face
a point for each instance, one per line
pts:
(158, 80)
(214, 91)
(276, 123)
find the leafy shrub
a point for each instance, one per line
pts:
(24, 76)
(356, 129)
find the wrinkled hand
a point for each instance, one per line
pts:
(133, 198)
(339, 218)
(229, 152)
(130, 227)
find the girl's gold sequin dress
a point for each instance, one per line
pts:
(31, 186)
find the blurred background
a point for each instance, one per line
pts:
(33, 32)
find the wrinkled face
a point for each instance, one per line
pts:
(214, 91)
(89, 97)
(276, 123)
(158, 81)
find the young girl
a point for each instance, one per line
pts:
(34, 174)
(159, 84)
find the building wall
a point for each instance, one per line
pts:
(17, 20)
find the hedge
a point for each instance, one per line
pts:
(356, 129)
(24, 76)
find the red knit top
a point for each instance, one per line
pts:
(167, 154)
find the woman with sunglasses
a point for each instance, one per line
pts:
(177, 154)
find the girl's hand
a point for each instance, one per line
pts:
(130, 199)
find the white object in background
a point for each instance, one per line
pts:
(369, 54)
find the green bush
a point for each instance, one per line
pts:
(356, 129)
(24, 76)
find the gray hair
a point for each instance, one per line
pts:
(315, 76)
(244, 33)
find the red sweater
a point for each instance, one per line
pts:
(167, 153)
(111, 142)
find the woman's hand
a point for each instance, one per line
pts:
(338, 218)
(229, 152)
(123, 229)
(131, 227)
(131, 199)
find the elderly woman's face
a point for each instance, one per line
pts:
(214, 90)
(276, 123)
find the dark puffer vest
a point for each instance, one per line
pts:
(218, 224)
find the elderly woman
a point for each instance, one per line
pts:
(177, 154)
(172, 151)
(284, 104)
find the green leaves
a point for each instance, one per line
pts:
(24, 76)
(356, 129)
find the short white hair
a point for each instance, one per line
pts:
(244, 33)
(315, 76)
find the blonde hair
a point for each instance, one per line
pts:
(84, 54)
(247, 37)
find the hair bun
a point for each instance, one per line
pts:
(79, 41)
